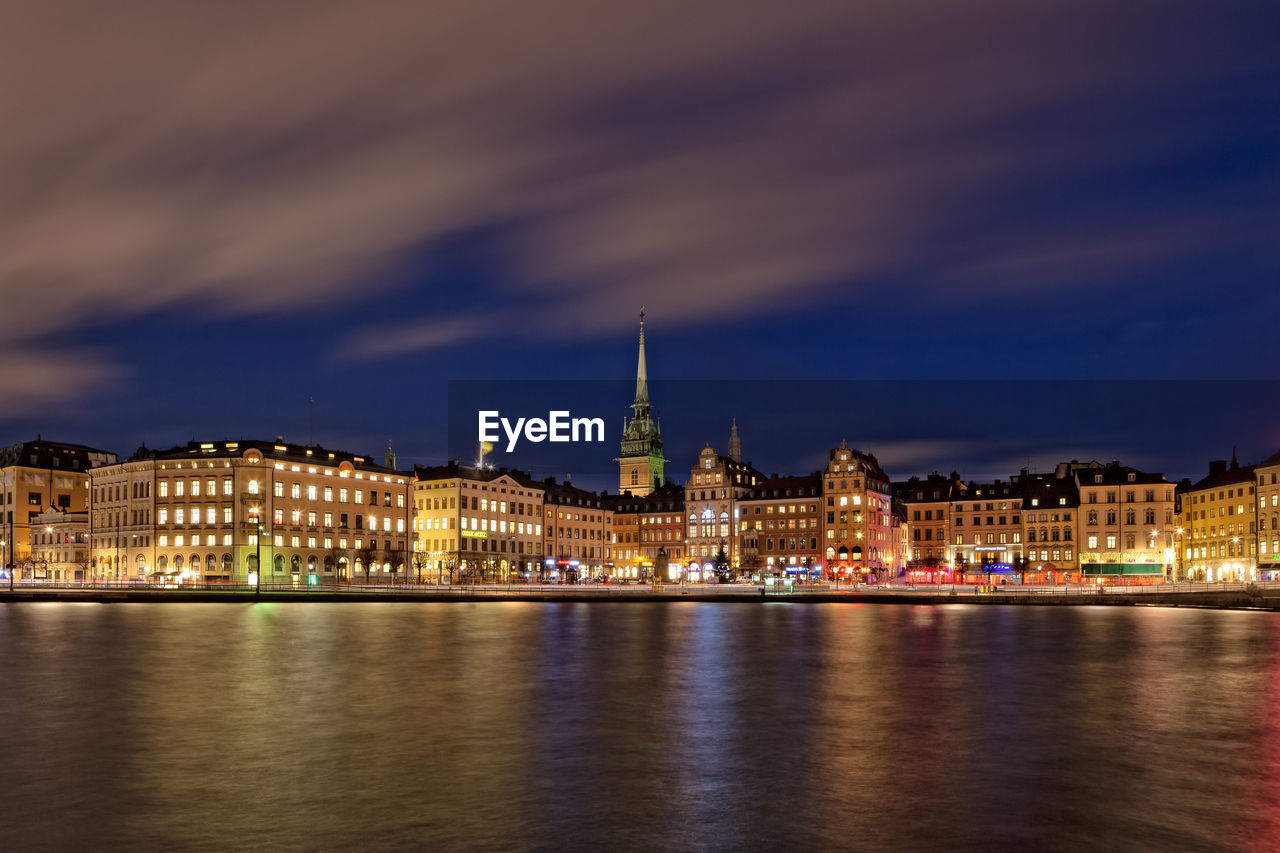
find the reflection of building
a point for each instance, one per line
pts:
(780, 526)
(478, 523)
(1126, 524)
(986, 529)
(716, 483)
(644, 526)
(1220, 513)
(1268, 474)
(927, 504)
(60, 545)
(576, 527)
(858, 534)
(35, 476)
(193, 513)
(640, 464)
(1050, 512)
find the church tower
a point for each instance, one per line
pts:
(641, 461)
(735, 443)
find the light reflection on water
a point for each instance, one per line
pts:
(530, 726)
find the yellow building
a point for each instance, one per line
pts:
(477, 524)
(1268, 474)
(927, 508)
(1127, 524)
(716, 484)
(60, 546)
(36, 476)
(195, 514)
(1220, 514)
(576, 531)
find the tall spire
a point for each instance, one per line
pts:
(735, 443)
(642, 372)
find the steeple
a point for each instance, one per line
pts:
(389, 458)
(642, 372)
(735, 443)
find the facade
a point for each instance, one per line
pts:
(1268, 474)
(36, 476)
(927, 509)
(1220, 517)
(477, 524)
(641, 465)
(858, 526)
(780, 526)
(208, 512)
(647, 542)
(60, 546)
(1127, 526)
(576, 529)
(716, 484)
(1050, 516)
(987, 530)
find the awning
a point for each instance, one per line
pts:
(1127, 569)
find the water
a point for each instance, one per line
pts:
(611, 726)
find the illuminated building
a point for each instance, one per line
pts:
(60, 546)
(1268, 474)
(858, 527)
(36, 476)
(1220, 514)
(716, 484)
(1126, 527)
(986, 530)
(478, 524)
(1050, 518)
(780, 526)
(193, 514)
(575, 532)
(927, 507)
(641, 463)
(645, 531)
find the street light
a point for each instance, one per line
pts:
(5, 563)
(257, 558)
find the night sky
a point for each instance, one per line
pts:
(209, 213)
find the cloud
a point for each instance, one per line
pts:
(38, 377)
(716, 158)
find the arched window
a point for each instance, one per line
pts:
(211, 563)
(251, 562)
(162, 564)
(278, 563)
(328, 564)
(226, 562)
(635, 476)
(311, 564)
(253, 487)
(1130, 517)
(177, 563)
(295, 564)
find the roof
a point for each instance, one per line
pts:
(1272, 460)
(1222, 475)
(669, 497)
(57, 455)
(1116, 474)
(1050, 489)
(277, 450)
(775, 488)
(470, 472)
(567, 494)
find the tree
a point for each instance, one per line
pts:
(83, 563)
(367, 555)
(1020, 566)
(337, 555)
(722, 562)
(393, 558)
(420, 562)
(751, 564)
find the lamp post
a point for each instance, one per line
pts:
(256, 512)
(5, 562)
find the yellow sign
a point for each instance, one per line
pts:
(475, 534)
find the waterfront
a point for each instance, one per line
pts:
(557, 726)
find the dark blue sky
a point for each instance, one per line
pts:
(359, 205)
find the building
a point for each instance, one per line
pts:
(927, 509)
(858, 529)
(648, 533)
(716, 483)
(36, 476)
(1220, 518)
(1050, 516)
(1268, 474)
(987, 530)
(577, 528)
(1126, 525)
(780, 526)
(208, 512)
(641, 465)
(60, 546)
(477, 524)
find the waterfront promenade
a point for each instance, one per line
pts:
(1254, 596)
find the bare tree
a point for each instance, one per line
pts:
(420, 562)
(367, 555)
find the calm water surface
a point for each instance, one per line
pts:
(529, 726)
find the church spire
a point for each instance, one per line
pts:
(735, 443)
(642, 371)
